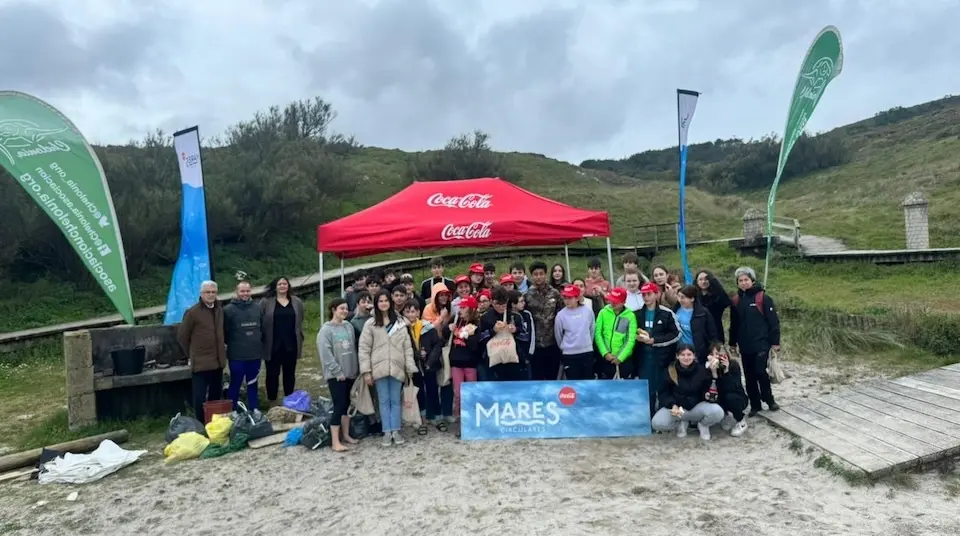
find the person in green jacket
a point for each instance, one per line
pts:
(615, 335)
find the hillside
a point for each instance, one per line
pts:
(272, 179)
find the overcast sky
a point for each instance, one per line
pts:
(566, 78)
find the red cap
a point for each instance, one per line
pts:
(570, 291)
(504, 279)
(468, 302)
(649, 288)
(486, 293)
(462, 279)
(617, 295)
(476, 268)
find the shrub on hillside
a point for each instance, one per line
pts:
(467, 156)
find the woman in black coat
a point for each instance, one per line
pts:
(697, 326)
(714, 298)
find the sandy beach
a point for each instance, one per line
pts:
(437, 485)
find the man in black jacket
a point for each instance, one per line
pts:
(436, 270)
(754, 332)
(243, 334)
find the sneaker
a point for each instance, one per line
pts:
(704, 431)
(773, 406)
(728, 422)
(450, 419)
(398, 439)
(387, 439)
(753, 413)
(682, 429)
(739, 428)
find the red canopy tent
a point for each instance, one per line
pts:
(485, 212)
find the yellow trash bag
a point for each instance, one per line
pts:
(218, 430)
(186, 446)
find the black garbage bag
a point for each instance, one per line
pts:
(321, 407)
(181, 424)
(375, 428)
(316, 433)
(359, 426)
(252, 424)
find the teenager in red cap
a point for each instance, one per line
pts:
(483, 300)
(464, 289)
(615, 336)
(465, 350)
(484, 297)
(573, 329)
(657, 342)
(507, 282)
(476, 276)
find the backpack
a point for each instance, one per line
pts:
(758, 299)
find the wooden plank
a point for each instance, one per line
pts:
(855, 456)
(261, 442)
(18, 475)
(882, 433)
(920, 412)
(954, 367)
(909, 423)
(925, 385)
(892, 455)
(950, 404)
(940, 377)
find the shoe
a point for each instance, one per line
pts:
(682, 429)
(704, 431)
(739, 428)
(773, 406)
(753, 413)
(398, 439)
(387, 439)
(728, 422)
(450, 419)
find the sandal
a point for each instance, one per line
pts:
(422, 430)
(442, 426)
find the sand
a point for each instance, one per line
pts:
(754, 485)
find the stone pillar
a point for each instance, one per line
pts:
(81, 400)
(754, 221)
(915, 216)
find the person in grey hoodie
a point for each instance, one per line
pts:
(573, 329)
(337, 347)
(243, 335)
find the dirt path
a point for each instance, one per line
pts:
(660, 484)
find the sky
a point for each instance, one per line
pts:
(571, 79)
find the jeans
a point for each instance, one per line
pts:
(207, 385)
(485, 373)
(460, 375)
(578, 366)
(704, 413)
(651, 371)
(284, 362)
(758, 381)
(245, 372)
(389, 396)
(546, 363)
(434, 401)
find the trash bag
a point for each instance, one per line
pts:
(186, 446)
(238, 442)
(375, 428)
(321, 407)
(359, 426)
(293, 437)
(181, 424)
(218, 430)
(253, 424)
(297, 401)
(316, 433)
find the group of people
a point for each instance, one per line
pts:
(638, 328)
(388, 331)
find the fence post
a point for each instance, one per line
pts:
(676, 233)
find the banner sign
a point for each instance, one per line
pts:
(193, 263)
(686, 106)
(823, 63)
(51, 160)
(554, 409)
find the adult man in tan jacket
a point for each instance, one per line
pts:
(201, 337)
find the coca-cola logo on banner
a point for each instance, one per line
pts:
(460, 201)
(477, 230)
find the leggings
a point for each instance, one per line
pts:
(284, 362)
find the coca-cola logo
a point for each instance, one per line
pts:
(567, 396)
(459, 201)
(477, 230)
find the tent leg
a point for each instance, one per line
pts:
(566, 254)
(321, 285)
(342, 285)
(610, 260)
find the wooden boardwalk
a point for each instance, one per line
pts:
(883, 426)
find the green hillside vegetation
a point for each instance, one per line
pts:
(272, 179)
